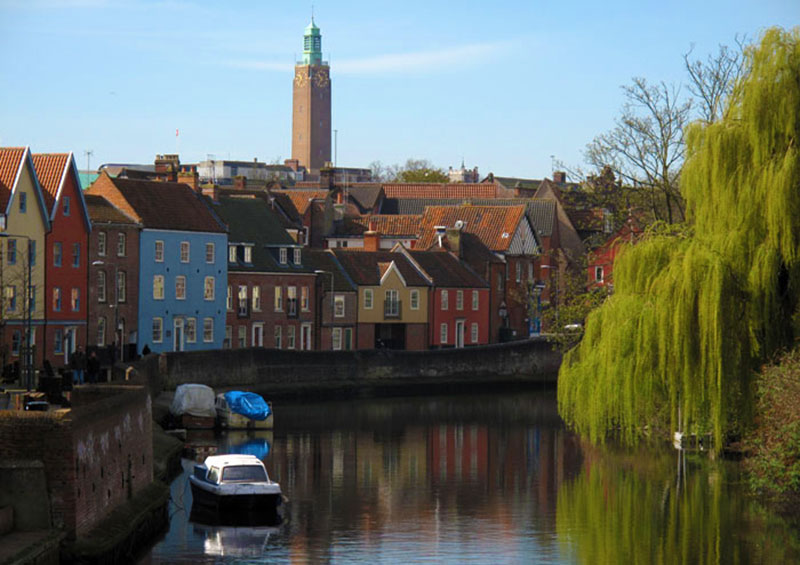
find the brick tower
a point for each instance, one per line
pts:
(311, 113)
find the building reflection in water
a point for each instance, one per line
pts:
(385, 469)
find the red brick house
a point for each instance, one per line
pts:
(271, 291)
(458, 312)
(113, 301)
(498, 243)
(66, 257)
(600, 270)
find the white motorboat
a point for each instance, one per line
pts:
(234, 483)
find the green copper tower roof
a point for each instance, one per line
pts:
(312, 45)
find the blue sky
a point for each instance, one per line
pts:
(503, 84)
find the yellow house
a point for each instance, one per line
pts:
(392, 299)
(23, 225)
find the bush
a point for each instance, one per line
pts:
(774, 466)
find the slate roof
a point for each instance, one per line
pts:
(447, 271)
(50, 170)
(10, 160)
(416, 205)
(102, 211)
(367, 267)
(494, 225)
(162, 205)
(366, 195)
(440, 190)
(252, 220)
(324, 260)
(513, 182)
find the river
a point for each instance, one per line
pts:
(489, 478)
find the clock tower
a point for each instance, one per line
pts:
(311, 111)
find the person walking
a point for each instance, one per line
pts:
(78, 366)
(92, 367)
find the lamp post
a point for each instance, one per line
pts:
(27, 320)
(321, 272)
(115, 306)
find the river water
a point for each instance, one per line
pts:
(490, 478)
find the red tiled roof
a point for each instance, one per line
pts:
(50, 170)
(493, 225)
(302, 198)
(160, 205)
(393, 225)
(440, 190)
(101, 210)
(10, 159)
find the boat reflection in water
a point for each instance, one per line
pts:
(237, 533)
(243, 534)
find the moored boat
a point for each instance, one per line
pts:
(234, 483)
(243, 410)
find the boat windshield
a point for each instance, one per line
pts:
(244, 473)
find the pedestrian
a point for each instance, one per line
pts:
(78, 366)
(92, 367)
(145, 350)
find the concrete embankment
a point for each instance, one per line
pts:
(310, 373)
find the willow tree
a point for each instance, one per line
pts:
(696, 307)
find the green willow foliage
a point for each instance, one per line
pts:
(616, 512)
(695, 310)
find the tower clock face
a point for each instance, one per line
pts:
(321, 78)
(300, 78)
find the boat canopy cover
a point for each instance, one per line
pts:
(247, 404)
(195, 400)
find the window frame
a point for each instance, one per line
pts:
(122, 244)
(190, 329)
(158, 287)
(158, 251)
(476, 300)
(182, 295)
(209, 288)
(444, 300)
(369, 299)
(211, 250)
(159, 337)
(443, 331)
(101, 243)
(414, 299)
(338, 300)
(185, 252)
(208, 330)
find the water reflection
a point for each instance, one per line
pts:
(666, 507)
(485, 479)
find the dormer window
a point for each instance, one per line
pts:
(231, 254)
(248, 254)
(297, 256)
(284, 255)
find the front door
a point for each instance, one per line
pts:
(178, 333)
(305, 336)
(258, 335)
(459, 333)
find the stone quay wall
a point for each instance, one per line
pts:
(96, 455)
(308, 373)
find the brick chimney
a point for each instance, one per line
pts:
(372, 239)
(293, 164)
(326, 178)
(240, 182)
(191, 178)
(211, 191)
(454, 238)
(167, 166)
(559, 177)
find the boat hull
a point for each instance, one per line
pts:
(248, 502)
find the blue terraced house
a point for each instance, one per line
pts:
(183, 267)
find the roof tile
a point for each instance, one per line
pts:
(50, 170)
(10, 159)
(492, 224)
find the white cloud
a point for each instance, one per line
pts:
(461, 56)
(421, 61)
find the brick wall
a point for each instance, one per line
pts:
(275, 373)
(95, 454)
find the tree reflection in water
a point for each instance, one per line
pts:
(640, 507)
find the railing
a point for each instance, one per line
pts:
(392, 309)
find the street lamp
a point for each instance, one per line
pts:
(321, 272)
(115, 306)
(28, 354)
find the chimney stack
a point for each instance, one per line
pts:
(372, 239)
(454, 239)
(559, 177)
